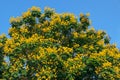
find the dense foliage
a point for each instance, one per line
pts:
(51, 46)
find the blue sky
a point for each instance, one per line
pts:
(105, 14)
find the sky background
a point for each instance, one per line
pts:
(105, 14)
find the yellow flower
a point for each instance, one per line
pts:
(46, 23)
(72, 19)
(22, 39)
(48, 9)
(55, 19)
(98, 69)
(2, 36)
(12, 30)
(81, 14)
(37, 75)
(17, 19)
(117, 70)
(107, 64)
(82, 35)
(12, 46)
(7, 49)
(49, 50)
(85, 46)
(43, 77)
(75, 34)
(100, 42)
(92, 29)
(118, 76)
(27, 68)
(91, 47)
(35, 9)
(117, 56)
(67, 50)
(103, 53)
(1, 44)
(76, 45)
(38, 25)
(99, 32)
(65, 23)
(12, 19)
(23, 29)
(46, 29)
(26, 14)
(29, 40)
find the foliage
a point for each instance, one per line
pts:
(48, 46)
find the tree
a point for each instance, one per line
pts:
(52, 46)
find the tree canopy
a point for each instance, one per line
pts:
(48, 45)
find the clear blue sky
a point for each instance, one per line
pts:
(105, 14)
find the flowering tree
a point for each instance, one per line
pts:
(48, 46)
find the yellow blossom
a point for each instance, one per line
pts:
(37, 74)
(107, 64)
(99, 32)
(85, 46)
(117, 70)
(81, 14)
(100, 42)
(76, 45)
(35, 9)
(75, 34)
(50, 50)
(24, 29)
(98, 69)
(46, 29)
(38, 26)
(102, 53)
(26, 14)
(1, 44)
(2, 36)
(67, 50)
(92, 29)
(17, 19)
(91, 47)
(12, 30)
(82, 35)
(48, 9)
(29, 40)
